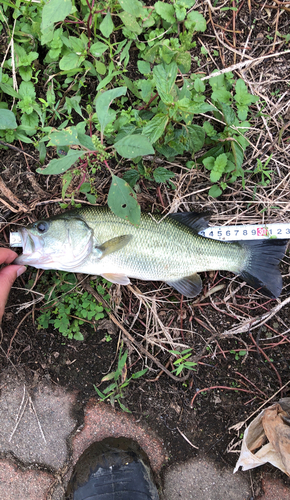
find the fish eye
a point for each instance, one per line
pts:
(42, 226)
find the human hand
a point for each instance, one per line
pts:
(8, 275)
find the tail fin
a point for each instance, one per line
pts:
(262, 271)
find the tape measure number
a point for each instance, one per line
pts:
(248, 232)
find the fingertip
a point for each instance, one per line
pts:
(21, 270)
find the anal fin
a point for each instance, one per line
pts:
(120, 279)
(190, 286)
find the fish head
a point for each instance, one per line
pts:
(59, 242)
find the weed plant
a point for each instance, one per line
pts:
(61, 46)
(67, 307)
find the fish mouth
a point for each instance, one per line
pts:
(33, 250)
(36, 254)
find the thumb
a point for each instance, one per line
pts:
(7, 277)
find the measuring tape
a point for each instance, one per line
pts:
(248, 232)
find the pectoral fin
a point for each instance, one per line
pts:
(113, 245)
(120, 279)
(190, 286)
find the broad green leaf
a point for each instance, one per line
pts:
(70, 61)
(242, 111)
(166, 11)
(161, 174)
(103, 103)
(131, 176)
(132, 146)
(195, 21)
(97, 49)
(215, 175)
(242, 95)
(7, 120)
(65, 137)
(215, 191)
(196, 137)
(165, 76)
(22, 137)
(26, 89)
(100, 68)
(155, 127)
(107, 25)
(130, 22)
(229, 114)
(9, 90)
(61, 164)
(209, 162)
(26, 73)
(55, 11)
(86, 141)
(183, 60)
(29, 123)
(146, 87)
(199, 86)
(133, 7)
(122, 200)
(144, 67)
(222, 95)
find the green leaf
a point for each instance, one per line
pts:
(100, 67)
(222, 95)
(165, 76)
(196, 137)
(146, 87)
(55, 11)
(9, 90)
(7, 120)
(139, 374)
(183, 60)
(166, 11)
(161, 174)
(130, 22)
(144, 67)
(107, 26)
(61, 164)
(26, 73)
(103, 103)
(132, 146)
(97, 49)
(122, 200)
(199, 86)
(65, 137)
(103, 83)
(86, 141)
(100, 394)
(131, 176)
(229, 114)
(242, 95)
(195, 21)
(155, 127)
(26, 89)
(70, 61)
(215, 191)
(132, 7)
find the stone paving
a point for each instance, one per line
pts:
(41, 440)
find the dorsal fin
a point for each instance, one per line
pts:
(197, 222)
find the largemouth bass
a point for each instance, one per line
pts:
(93, 240)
